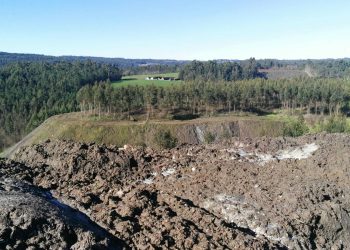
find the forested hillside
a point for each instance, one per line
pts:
(321, 67)
(31, 92)
(215, 71)
(330, 68)
(249, 69)
(6, 58)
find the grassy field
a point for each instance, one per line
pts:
(140, 80)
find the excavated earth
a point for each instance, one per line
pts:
(280, 193)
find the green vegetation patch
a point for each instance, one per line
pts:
(209, 137)
(164, 139)
(295, 127)
(140, 80)
(333, 124)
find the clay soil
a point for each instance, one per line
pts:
(281, 193)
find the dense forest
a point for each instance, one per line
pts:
(249, 69)
(6, 58)
(313, 95)
(321, 67)
(214, 71)
(330, 68)
(151, 69)
(31, 92)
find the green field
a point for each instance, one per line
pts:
(140, 80)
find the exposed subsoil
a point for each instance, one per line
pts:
(286, 193)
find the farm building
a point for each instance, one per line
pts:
(161, 78)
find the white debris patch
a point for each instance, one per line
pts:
(168, 171)
(242, 153)
(264, 158)
(239, 144)
(200, 134)
(125, 147)
(234, 209)
(148, 181)
(299, 153)
(259, 158)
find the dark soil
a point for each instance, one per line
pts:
(243, 194)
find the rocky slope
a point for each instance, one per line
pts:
(262, 193)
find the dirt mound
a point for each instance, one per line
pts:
(248, 193)
(108, 184)
(32, 219)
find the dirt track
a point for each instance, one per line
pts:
(250, 193)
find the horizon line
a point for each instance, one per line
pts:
(169, 59)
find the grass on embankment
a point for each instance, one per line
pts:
(298, 125)
(90, 129)
(140, 80)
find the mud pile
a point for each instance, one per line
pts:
(246, 193)
(32, 219)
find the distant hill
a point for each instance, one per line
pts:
(327, 67)
(6, 58)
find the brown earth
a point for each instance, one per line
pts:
(260, 193)
(32, 219)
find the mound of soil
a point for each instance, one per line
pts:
(31, 219)
(247, 193)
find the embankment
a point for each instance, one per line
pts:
(86, 129)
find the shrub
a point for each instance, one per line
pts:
(226, 135)
(209, 137)
(295, 128)
(335, 124)
(164, 139)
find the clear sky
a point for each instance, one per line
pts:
(177, 29)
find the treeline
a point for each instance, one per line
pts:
(151, 69)
(248, 69)
(330, 68)
(31, 92)
(7, 58)
(318, 96)
(215, 71)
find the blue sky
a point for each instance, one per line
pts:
(177, 29)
